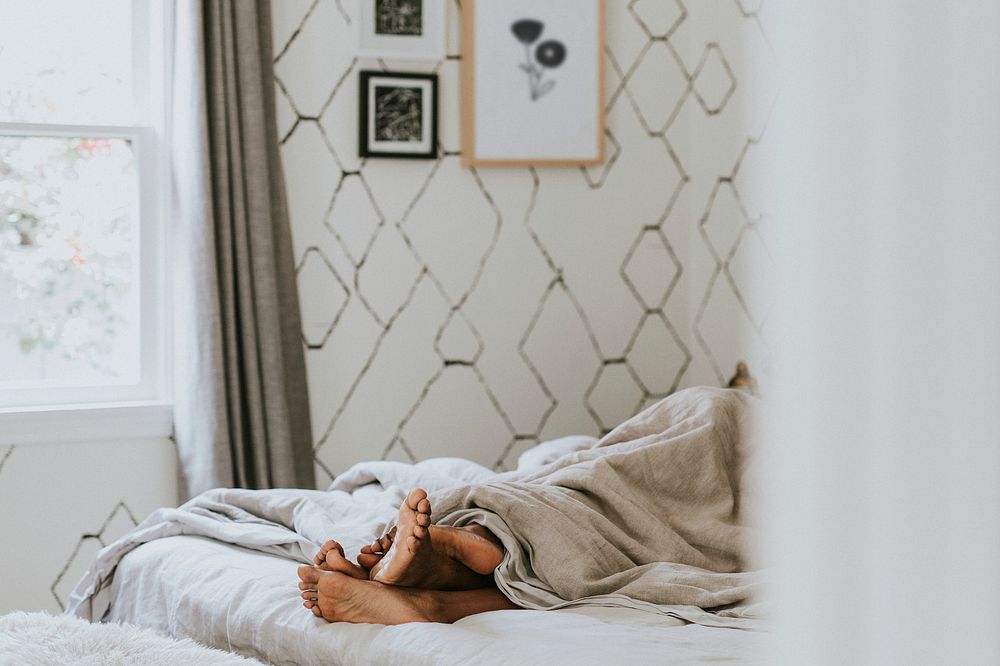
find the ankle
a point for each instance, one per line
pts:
(432, 606)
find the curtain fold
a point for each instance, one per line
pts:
(241, 408)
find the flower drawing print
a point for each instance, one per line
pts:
(547, 55)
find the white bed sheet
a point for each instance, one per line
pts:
(248, 602)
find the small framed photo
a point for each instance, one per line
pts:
(401, 29)
(397, 115)
(532, 82)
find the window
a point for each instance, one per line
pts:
(82, 307)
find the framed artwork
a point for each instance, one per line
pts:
(401, 29)
(532, 82)
(397, 115)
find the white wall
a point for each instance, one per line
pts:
(60, 503)
(464, 312)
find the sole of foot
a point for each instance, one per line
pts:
(418, 554)
(399, 565)
(337, 597)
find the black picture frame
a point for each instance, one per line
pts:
(368, 106)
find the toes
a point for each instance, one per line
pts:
(367, 560)
(416, 496)
(316, 611)
(325, 549)
(309, 574)
(424, 506)
(423, 520)
(413, 543)
(419, 532)
(385, 543)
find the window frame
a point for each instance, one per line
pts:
(122, 411)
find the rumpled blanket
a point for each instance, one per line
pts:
(651, 516)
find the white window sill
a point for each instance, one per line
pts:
(85, 423)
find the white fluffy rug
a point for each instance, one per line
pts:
(39, 639)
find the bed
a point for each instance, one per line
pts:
(222, 568)
(243, 601)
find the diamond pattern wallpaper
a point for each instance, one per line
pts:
(64, 502)
(475, 312)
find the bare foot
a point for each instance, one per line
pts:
(331, 558)
(337, 597)
(401, 565)
(371, 555)
(418, 554)
(474, 546)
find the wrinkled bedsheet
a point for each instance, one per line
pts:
(244, 601)
(649, 518)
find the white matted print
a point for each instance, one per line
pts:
(397, 115)
(533, 82)
(400, 29)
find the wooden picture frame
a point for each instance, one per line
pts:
(400, 29)
(397, 115)
(540, 78)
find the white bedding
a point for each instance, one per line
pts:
(182, 572)
(247, 602)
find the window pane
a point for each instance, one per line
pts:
(69, 310)
(66, 61)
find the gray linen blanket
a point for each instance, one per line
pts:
(652, 513)
(648, 517)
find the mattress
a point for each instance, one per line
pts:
(247, 602)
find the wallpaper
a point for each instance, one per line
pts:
(64, 502)
(474, 312)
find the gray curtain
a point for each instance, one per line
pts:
(241, 408)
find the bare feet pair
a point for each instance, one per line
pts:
(415, 554)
